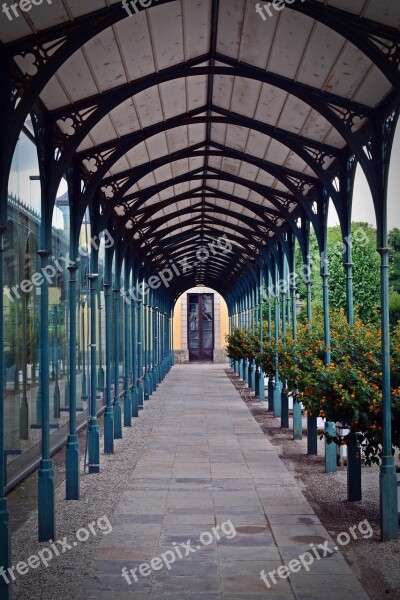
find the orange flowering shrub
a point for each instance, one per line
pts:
(349, 389)
(346, 391)
(242, 344)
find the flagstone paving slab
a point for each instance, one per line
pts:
(212, 494)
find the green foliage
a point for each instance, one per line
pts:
(394, 259)
(366, 275)
(348, 390)
(394, 307)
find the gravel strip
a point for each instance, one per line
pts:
(99, 496)
(376, 565)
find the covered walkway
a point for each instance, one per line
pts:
(178, 144)
(208, 463)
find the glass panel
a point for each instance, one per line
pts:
(207, 322)
(194, 324)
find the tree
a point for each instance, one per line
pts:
(394, 259)
(366, 277)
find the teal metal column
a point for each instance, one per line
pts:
(241, 326)
(297, 416)
(277, 393)
(354, 480)
(155, 343)
(117, 302)
(146, 353)
(127, 357)
(250, 325)
(82, 303)
(151, 345)
(139, 373)
(100, 374)
(46, 482)
(261, 391)
(171, 338)
(109, 413)
(72, 453)
(330, 449)
(388, 479)
(135, 401)
(284, 396)
(5, 527)
(312, 439)
(270, 379)
(253, 330)
(93, 429)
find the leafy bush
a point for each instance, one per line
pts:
(346, 391)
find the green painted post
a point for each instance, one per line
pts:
(72, 452)
(154, 344)
(56, 395)
(330, 449)
(151, 345)
(297, 416)
(24, 409)
(146, 381)
(84, 383)
(117, 402)
(46, 482)
(100, 374)
(5, 526)
(140, 353)
(135, 401)
(93, 428)
(277, 393)
(109, 413)
(270, 379)
(127, 357)
(253, 329)
(284, 396)
(261, 298)
(312, 438)
(388, 479)
(354, 486)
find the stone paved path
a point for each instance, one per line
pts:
(208, 463)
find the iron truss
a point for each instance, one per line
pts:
(29, 64)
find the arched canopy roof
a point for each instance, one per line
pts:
(192, 120)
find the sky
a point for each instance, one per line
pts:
(363, 209)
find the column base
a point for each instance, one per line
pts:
(277, 394)
(312, 440)
(330, 450)
(109, 430)
(270, 395)
(72, 463)
(146, 387)
(94, 445)
(285, 410)
(127, 409)
(117, 420)
(388, 500)
(297, 421)
(140, 394)
(261, 393)
(257, 379)
(135, 402)
(354, 488)
(46, 501)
